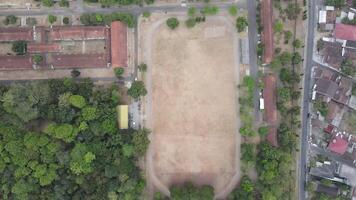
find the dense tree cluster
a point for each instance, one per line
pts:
(59, 140)
(106, 19)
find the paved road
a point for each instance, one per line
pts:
(135, 10)
(306, 98)
(252, 35)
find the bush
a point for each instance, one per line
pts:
(48, 3)
(142, 67)
(241, 24)
(52, 19)
(146, 14)
(99, 19)
(19, 47)
(65, 20)
(210, 10)
(10, 19)
(77, 101)
(172, 23)
(192, 11)
(137, 89)
(233, 10)
(31, 21)
(190, 23)
(64, 3)
(263, 131)
(119, 71)
(37, 59)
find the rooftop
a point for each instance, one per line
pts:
(118, 44)
(338, 144)
(345, 32)
(267, 35)
(270, 99)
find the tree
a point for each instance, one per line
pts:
(140, 142)
(297, 43)
(81, 160)
(119, 72)
(137, 89)
(297, 58)
(89, 113)
(248, 153)
(19, 47)
(210, 10)
(10, 19)
(348, 68)
(245, 191)
(192, 11)
(319, 44)
(142, 67)
(48, 3)
(263, 131)
(65, 20)
(292, 10)
(336, 3)
(285, 58)
(241, 24)
(322, 107)
(75, 73)
(233, 10)
(52, 19)
(63, 3)
(276, 63)
(278, 26)
(146, 14)
(284, 94)
(247, 131)
(172, 23)
(37, 59)
(287, 36)
(77, 101)
(189, 191)
(190, 22)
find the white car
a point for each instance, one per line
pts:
(183, 3)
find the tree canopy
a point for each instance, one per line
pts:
(54, 147)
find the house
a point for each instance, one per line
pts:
(270, 107)
(327, 17)
(332, 54)
(118, 44)
(335, 113)
(345, 32)
(349, 173)
(329, 190)
(338, 90)
(267, 34)
(338, 144)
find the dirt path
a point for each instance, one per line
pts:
(153, 181)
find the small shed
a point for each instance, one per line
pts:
(123, 116)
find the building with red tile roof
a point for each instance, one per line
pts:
(338, 145)
(77, 33)
(78, 61)
(270, 101)
(15, 34)
(43, 48)
(118, 44)
(15, 62)
(345, 32)
(272, 136)
(267, 34)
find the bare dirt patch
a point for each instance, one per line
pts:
(192, 103)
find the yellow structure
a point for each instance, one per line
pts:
(123, 116)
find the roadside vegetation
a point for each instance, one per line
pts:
(60, 140)
(106, 19)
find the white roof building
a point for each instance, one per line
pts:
(322, 16)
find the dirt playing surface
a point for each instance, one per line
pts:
(193, 104)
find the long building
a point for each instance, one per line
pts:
(54, 44)
(267, 34)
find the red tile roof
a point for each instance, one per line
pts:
(14, 34)
(338, 145)
(43, 48)
(267, 35)
(329, 129)
(118, 44)
(15, 62)
(78, 61)
(270, 99)
(345, 32)
(272, 136)
(77, 32)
